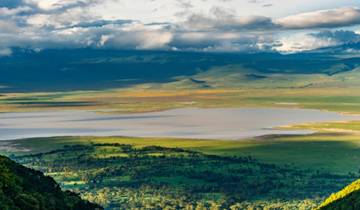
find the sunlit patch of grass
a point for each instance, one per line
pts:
(334, 152)
(348, 127)
(137, 99)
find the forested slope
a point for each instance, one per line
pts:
(22, 189)
(346, 199)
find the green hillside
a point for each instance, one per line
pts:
(24, 189)
(346, 199)
(49, 70)
(233, 85)
(123, 176)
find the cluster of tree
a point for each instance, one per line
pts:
(124, 177)
(147, 197)
(22, 188)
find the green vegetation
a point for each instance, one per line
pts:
(330, 152)
(352, 127)
(348, 198)
(223, 86)
(24, 189)
(131, 172)
(151, 177)
(154, 172)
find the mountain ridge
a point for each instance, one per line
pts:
(91, 69)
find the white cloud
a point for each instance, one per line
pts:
(60, 5)
(175, 10)
(322, 19)
(311, 41)
(136, 36)
(67, 18)
(46, 5)
(8, 27)
(64, 23)
(4, 11)
(222, 19)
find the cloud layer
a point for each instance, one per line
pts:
(322, 19)
(41, 24)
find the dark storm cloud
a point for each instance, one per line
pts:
(340, 36)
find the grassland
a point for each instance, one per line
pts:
(330, 152)
(146, 100)
(351, 127)
(226, 86)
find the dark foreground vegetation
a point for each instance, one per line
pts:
(26, 189)
(119, 176)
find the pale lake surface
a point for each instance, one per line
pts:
(226, 123)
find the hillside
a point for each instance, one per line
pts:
(87, 69)
(22, 188)
(145, 81)
(153, 177)
(346, 199)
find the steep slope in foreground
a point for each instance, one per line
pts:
(346, 199)
(22, 188)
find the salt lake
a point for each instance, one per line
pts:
(197, 123)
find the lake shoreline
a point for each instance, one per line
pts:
(192, 123)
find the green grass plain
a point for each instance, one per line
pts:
(224, 86)
(332, 152)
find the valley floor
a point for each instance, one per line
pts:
(274, 172)
(152, 98)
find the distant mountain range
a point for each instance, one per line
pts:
(89, 69)
(345, 49)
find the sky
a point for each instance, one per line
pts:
(179, 25)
